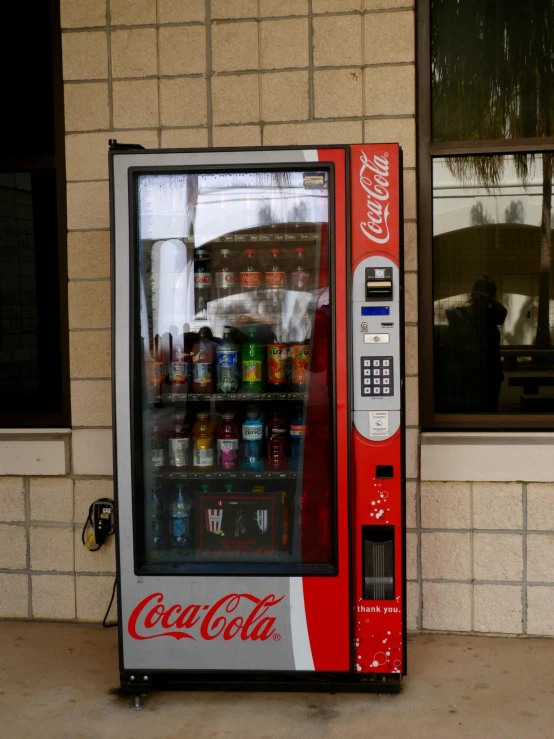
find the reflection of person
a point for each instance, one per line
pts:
(476, 342)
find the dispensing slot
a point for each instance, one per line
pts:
(378, 283)
(378, 562)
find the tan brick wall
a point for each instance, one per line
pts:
(176, 73)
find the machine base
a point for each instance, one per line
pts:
(140, 682)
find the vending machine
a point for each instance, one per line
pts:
(258, 369)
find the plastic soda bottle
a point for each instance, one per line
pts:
(252, 363)
(300, 275)
(275, 275)
(203, 355)
(227, 359)
(300, 360)
(277, 431)
(202, 284)
(228, 443)
(178, 443)
(157, 446)
(203, 443)
(277, 356)
(297, 436)
(226, 276)
(158, 521)
(252, 435)
(250, 272)
(181, 511)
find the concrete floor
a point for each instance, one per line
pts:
(58, 680)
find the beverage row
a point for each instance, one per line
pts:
(200, 363)
(233, 273)
(227, 520)
(272, 443)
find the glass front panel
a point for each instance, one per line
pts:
(493, 294)
(492, 69)
(235, 346)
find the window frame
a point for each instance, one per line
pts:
(62, 417)
(427, 150)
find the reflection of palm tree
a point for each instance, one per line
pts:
(493, 78)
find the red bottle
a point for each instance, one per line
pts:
(228, 443)
(300, 275)
(250, 272)
(275, 275)
(277, 431)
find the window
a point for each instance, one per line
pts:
(34, 385)
(486, 156)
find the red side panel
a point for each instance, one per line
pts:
(327, 598)
(375, 231)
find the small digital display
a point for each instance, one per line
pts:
(374, 310)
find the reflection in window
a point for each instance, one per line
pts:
(492, 69)
(493, 295)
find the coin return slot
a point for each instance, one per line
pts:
(378, 562)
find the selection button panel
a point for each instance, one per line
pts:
(377, 376)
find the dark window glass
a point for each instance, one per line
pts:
(492, 285)
(34, 371)
(30, 371)
(492, 69)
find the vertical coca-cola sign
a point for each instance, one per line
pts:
(374, 182)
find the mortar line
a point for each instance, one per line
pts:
(159, 132)
(110, 80)
(27, 503)
(419, 557)
(260, 93)
(471, 562)
(209, 71)
(524, 582)
(363, 77)
(310, 61)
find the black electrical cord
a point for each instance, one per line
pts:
(104, 624)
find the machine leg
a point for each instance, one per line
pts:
(136, 705)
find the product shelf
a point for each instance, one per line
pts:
(171, 474)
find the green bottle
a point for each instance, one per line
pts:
(253, 355)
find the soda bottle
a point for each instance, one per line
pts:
(252, 435)
(276, 431)
(157, 446)
(252, 363)
(228, 443)
(297, 436)
(158, 521)
(275, 275)
(180, 516)
(227, 359)
(203, 443)
(250, 272)
(178, 443)
(203, 355)
(300, 275)
(156, 379)
(300, 359)
(277, 356)
(202, 284)
(179, 369)
(226, 276)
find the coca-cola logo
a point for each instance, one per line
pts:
(202, 279)
(207, 622)
(376, 187)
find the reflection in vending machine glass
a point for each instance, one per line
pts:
(235, 340)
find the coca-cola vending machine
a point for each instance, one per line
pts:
(258, 369)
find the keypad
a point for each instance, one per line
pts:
(377, 376)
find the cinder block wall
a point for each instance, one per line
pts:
(196, 73)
